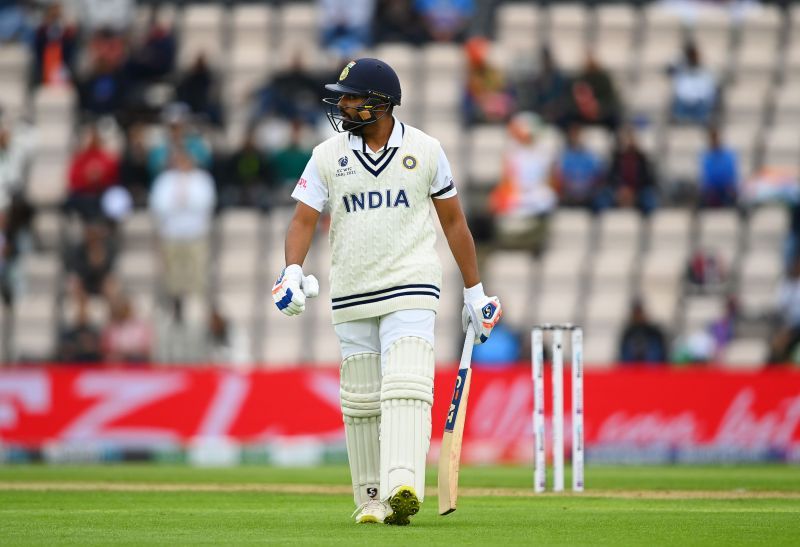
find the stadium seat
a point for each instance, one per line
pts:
(600, 349)
(239, 227)
(557, 305)
(787, 102)
(701, 311)
(608, 306)
(719, 231)
(443, 59)
(237, 267)
(138, 231)
(138, 269)
(613, 268)
(40, 271)
(745, 354)
(46, 186)
(782, 145)
(251, 25)
(47, 229)
(518, 27)
(745, 101)
(620, 229)
(670, 229)
(510, 276)
(570, 228)
(767, 227)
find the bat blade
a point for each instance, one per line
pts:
(450, 455)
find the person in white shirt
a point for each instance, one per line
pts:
(182, 202)
(378, 179)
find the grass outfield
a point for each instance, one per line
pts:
(141, 504)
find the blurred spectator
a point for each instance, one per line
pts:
(706, 269)
(93, 170)
(719, 186)
(505, 349)
(578, 172)
(288, 162)
(182, 202)
(126, 339)
(793, 237)
(723, 329)
(89, 262)
(786, 335)
(631, 181)
(398, 21)
(488, 97)
(133, 172)
(15, 240)
(16, 145)
(293, 93)
(15, 24)
(524, 198)
(594, 98)
(545, 91)
(226, 344)
(54, 47)
(103, 90)
(249, 176)
(154, 57)
(642, 340)
(346, 25)
(446, 20)
(694, 89)
(114, 15)
(198, 89)
(180, 137)
(79, 342)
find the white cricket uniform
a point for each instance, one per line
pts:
(385, 282)
(382, 235)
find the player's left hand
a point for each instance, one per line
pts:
(483, 311)
(292, 288)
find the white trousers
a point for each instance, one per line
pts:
(377, 334)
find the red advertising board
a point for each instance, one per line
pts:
(751, 412)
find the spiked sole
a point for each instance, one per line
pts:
(404, 504)
(368, 519)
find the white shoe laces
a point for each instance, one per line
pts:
(366, 504)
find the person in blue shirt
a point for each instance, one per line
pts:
(578, 172)
(719, 173)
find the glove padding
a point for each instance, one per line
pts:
(292, 288)
(483, 311)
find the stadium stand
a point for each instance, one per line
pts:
(595, 264)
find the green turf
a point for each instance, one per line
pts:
(136, 518)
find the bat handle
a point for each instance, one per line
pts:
(469, 342)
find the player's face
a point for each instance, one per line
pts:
(348, 106)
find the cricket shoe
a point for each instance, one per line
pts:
(373, 511)
(404, 503)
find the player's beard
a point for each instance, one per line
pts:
(354, 128)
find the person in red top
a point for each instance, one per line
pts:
(92, 171)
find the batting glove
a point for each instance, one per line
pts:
(483, 311)
(292, 288)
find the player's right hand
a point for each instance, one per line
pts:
(292, 288)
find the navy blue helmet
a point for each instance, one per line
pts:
(371, 79)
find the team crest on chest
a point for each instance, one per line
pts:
(409, 162)
(343, 161)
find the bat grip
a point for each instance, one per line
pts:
(469, 342)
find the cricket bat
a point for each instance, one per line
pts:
(450, 454)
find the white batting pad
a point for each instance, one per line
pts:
(406, 400)
(360, 396)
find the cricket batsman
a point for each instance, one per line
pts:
(377, 178)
